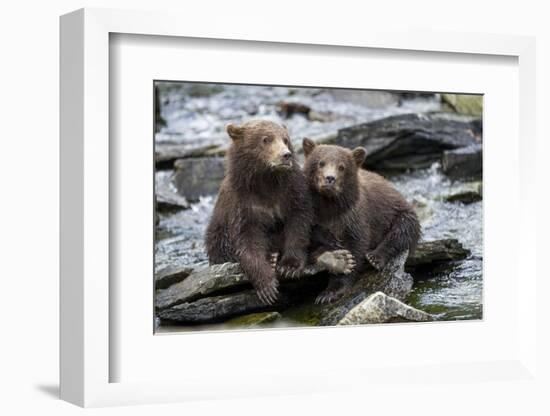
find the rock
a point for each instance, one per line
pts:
(220, 308)
(428, 253)
(464, 103)
(215, 308)
(409, 141)
(196, 177)
(207, 280)
(370, 99)
(167, 200)
(167, 154)
(393, 280)
(463, 163)
(171, 275)
(254, 320)
(466, 193)
(204, 280)
(226, 287)
(379, 308)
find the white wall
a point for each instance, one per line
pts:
(29, 162)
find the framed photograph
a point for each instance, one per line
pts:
(273, 214)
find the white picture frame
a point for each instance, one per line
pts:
(86, 293)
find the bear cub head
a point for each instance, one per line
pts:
(261, 145)
(332, 170)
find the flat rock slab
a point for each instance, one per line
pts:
(206, 280)
(410, 141)
(167, 154)
(379, 308)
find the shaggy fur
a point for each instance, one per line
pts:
(356, 210)
(263, 207)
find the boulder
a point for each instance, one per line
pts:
(409, 141)
(196, 177)
(463, 163)
(380, 308)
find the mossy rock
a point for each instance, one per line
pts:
(254, 320)
(464, 104)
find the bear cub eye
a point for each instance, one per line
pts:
(321, 163)
(341, 168)
(285, 141)
(266, 139)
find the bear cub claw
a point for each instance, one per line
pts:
(337, 262)
(329, 296)
(268, 291)
(291, 266)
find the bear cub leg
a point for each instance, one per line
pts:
(403, 236)
(336, 288)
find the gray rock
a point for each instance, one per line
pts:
(409, 141)
(223, 307)
(206, 280)
(168, 200)
(167, 154)
(196, 177)
(463, 163)
(429, 253)
(171, 275)
(380, 308)
(466, 193)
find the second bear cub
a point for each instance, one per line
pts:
(356, 210)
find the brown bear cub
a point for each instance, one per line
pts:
(263, 215)
(356, 210)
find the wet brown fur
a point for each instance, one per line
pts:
(262, 208)
(364, 213)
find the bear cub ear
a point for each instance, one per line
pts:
(359, 155)
(234, 131)
(308, 146)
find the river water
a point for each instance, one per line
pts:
(196, 114)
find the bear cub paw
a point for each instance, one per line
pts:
(329, 295)
(376, 261)
(337, 262)
(291, 265)
(268, 290)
